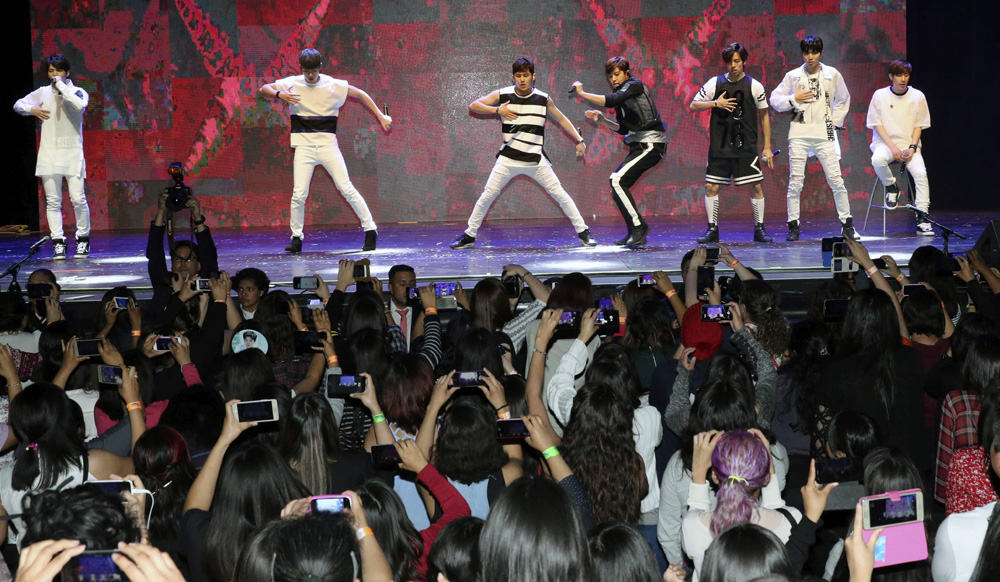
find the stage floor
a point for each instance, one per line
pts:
(547, 247)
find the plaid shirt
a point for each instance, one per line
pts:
(959, 413)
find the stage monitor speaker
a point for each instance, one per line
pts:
(988, 244)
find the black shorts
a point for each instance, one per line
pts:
(743, 171)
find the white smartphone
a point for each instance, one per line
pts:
(256, 411)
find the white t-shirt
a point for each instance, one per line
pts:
(314, 116)
(958, 542)
(898, 115)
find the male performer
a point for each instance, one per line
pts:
(734, 98)
(898, 115)
(523, 111)
(638, 120)
(314, 100)
(817, 95)
(60, 106)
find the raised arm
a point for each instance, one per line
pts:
(383, 119)
(203, 489)
(74, 97)
(594, 98)
(443, 391)
(859, 255)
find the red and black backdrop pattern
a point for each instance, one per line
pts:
(177, 80)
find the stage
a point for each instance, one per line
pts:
(545, 247)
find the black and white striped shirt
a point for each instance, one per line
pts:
(524, 137)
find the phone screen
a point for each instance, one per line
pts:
(712, 254)
(466, 379)
(840, 470)
(385, 457)
(305, 341)
(256, 411)
(121, 302)
(88, 347)
(163, 343)
(109, 375)
(511, 429)
(305, 283)
(360, 271)
(568, 318)
(203, 285)
(344, 385)
(884, 511)
(646, 280)
(443, 289)
(411, 293)
(92, 566)
(706, 278)
(604, 303)
(113, 487)
(715, 313)
(38, 290)
(331, 504)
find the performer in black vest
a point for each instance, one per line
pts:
(523, 110)
(638, 120)
(733, 98)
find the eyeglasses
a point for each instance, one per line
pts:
(188, 259)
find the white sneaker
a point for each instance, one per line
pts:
(924, 229)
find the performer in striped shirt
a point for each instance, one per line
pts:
(523, 111)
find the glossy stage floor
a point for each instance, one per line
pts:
(546, 247)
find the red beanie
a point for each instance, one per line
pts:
(704, 336)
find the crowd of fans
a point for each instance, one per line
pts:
(665, 447)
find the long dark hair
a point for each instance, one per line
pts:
(574, 292)
(244, 371)
(455, 552)
(163, 463)
(281, 342)
(467, 449)
(987, 566)
(534, 533)
(619, 552)
(43, 421)
(613, 368)
(810, 343)
(478, 350)
(599, 446)
(924, 267)
(318, 546)
(981, 367)
(721, 404)
(648, 325)
(407, 391)
(50, 349)
(744, 552)
(489, 304)
(761, 304)
(394, 532)
(254, 486)
(869, 339)
(365, 311)
(309, 440)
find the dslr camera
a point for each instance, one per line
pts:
(179, 193)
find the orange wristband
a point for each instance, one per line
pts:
(735, 262)
(364, 531)
(332, 362)
(900, 277)
(430, 310)
(136, 333)
(505, 415)
(137, 405)
(671, 293)
(220, 300)
(871, 271)
(305, 328)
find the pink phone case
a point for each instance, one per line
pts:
(899, 544)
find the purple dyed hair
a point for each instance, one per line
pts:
(742, 464)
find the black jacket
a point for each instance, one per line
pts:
(634, 108)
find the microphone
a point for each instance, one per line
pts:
(38, 245)
(572, 90)
(917, 211)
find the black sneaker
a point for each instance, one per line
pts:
(637, 237)
(59, 249)
(586, 238)
(793, 231)
(464, 242)
(924, 228)
(848, 229)
(760, 234)
(82, 247)
(370, 237)
(711, 235)
(891, 196)
(295, 246)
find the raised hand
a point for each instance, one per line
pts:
(289, 96)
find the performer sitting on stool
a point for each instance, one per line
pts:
(897, 115)
(314, 100)
(732, 153)
(523, 111)
(638, 120)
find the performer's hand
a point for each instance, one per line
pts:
(803, 96)
(724, 103)
(578, 87)
(506, 113)
(767, 156)
(40, 113)
(897, 154)
(906, 155)
(593, 115)
(386, 122)
(581, 149)
(289, 96)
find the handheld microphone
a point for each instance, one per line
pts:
(572, 90)
(775, 152)
(385, 108)
(39, 244)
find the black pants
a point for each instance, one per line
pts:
(641, 157)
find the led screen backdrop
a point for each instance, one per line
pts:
(178, 79)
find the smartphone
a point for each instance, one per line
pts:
(913, 289)
(880, 264)
(948, 266)
(92, 565)
(511, 430)
(706, 279)
(712, 255)
(256, 411)
(882, 510)
(38, 290)
(203, 285)
(305, 341)
(329, 503)
(841, 249)
(412, 294)
(111, 375)
(467, 379)
(826, 248)
(843, 265)
(385, 457)
(513, 285)
(120, 302)
(87, 347)
(716, 313)
(113, 486)
(305, 283)
(901, 513)
(338, 385)
(569, 320)
(607, 321)
(645, 280)
(840, 470)
(362, 270)
(835, 309)
(444, 289)
(163, 343)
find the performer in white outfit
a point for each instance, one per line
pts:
(314, 100)
(60, 106)
(523, 110)
(897, 115)
(819, 100)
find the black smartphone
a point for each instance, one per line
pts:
(880, 264)
(412, 294)
(94, 565)
(716, 312)
(113, 486)
(826, 248)
(467, 379)
(835, 309)
(948, 266)
(511, 430)
(362, 271)
(305, 341)
(444, 289)
(338, 385)
(110, 375)
(256, 411)
(305, 283)
(712, 255)
(513, 284)
(645, 280)
(706, 279)
(385, 457)
(914, 289)
(607, 321)
(87, 347)
(840, 470)
(38, 290)
(569, 320)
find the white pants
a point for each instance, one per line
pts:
(541, 173)
(306, 160)
(52, 183)
(882, 157)
(826, 153)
